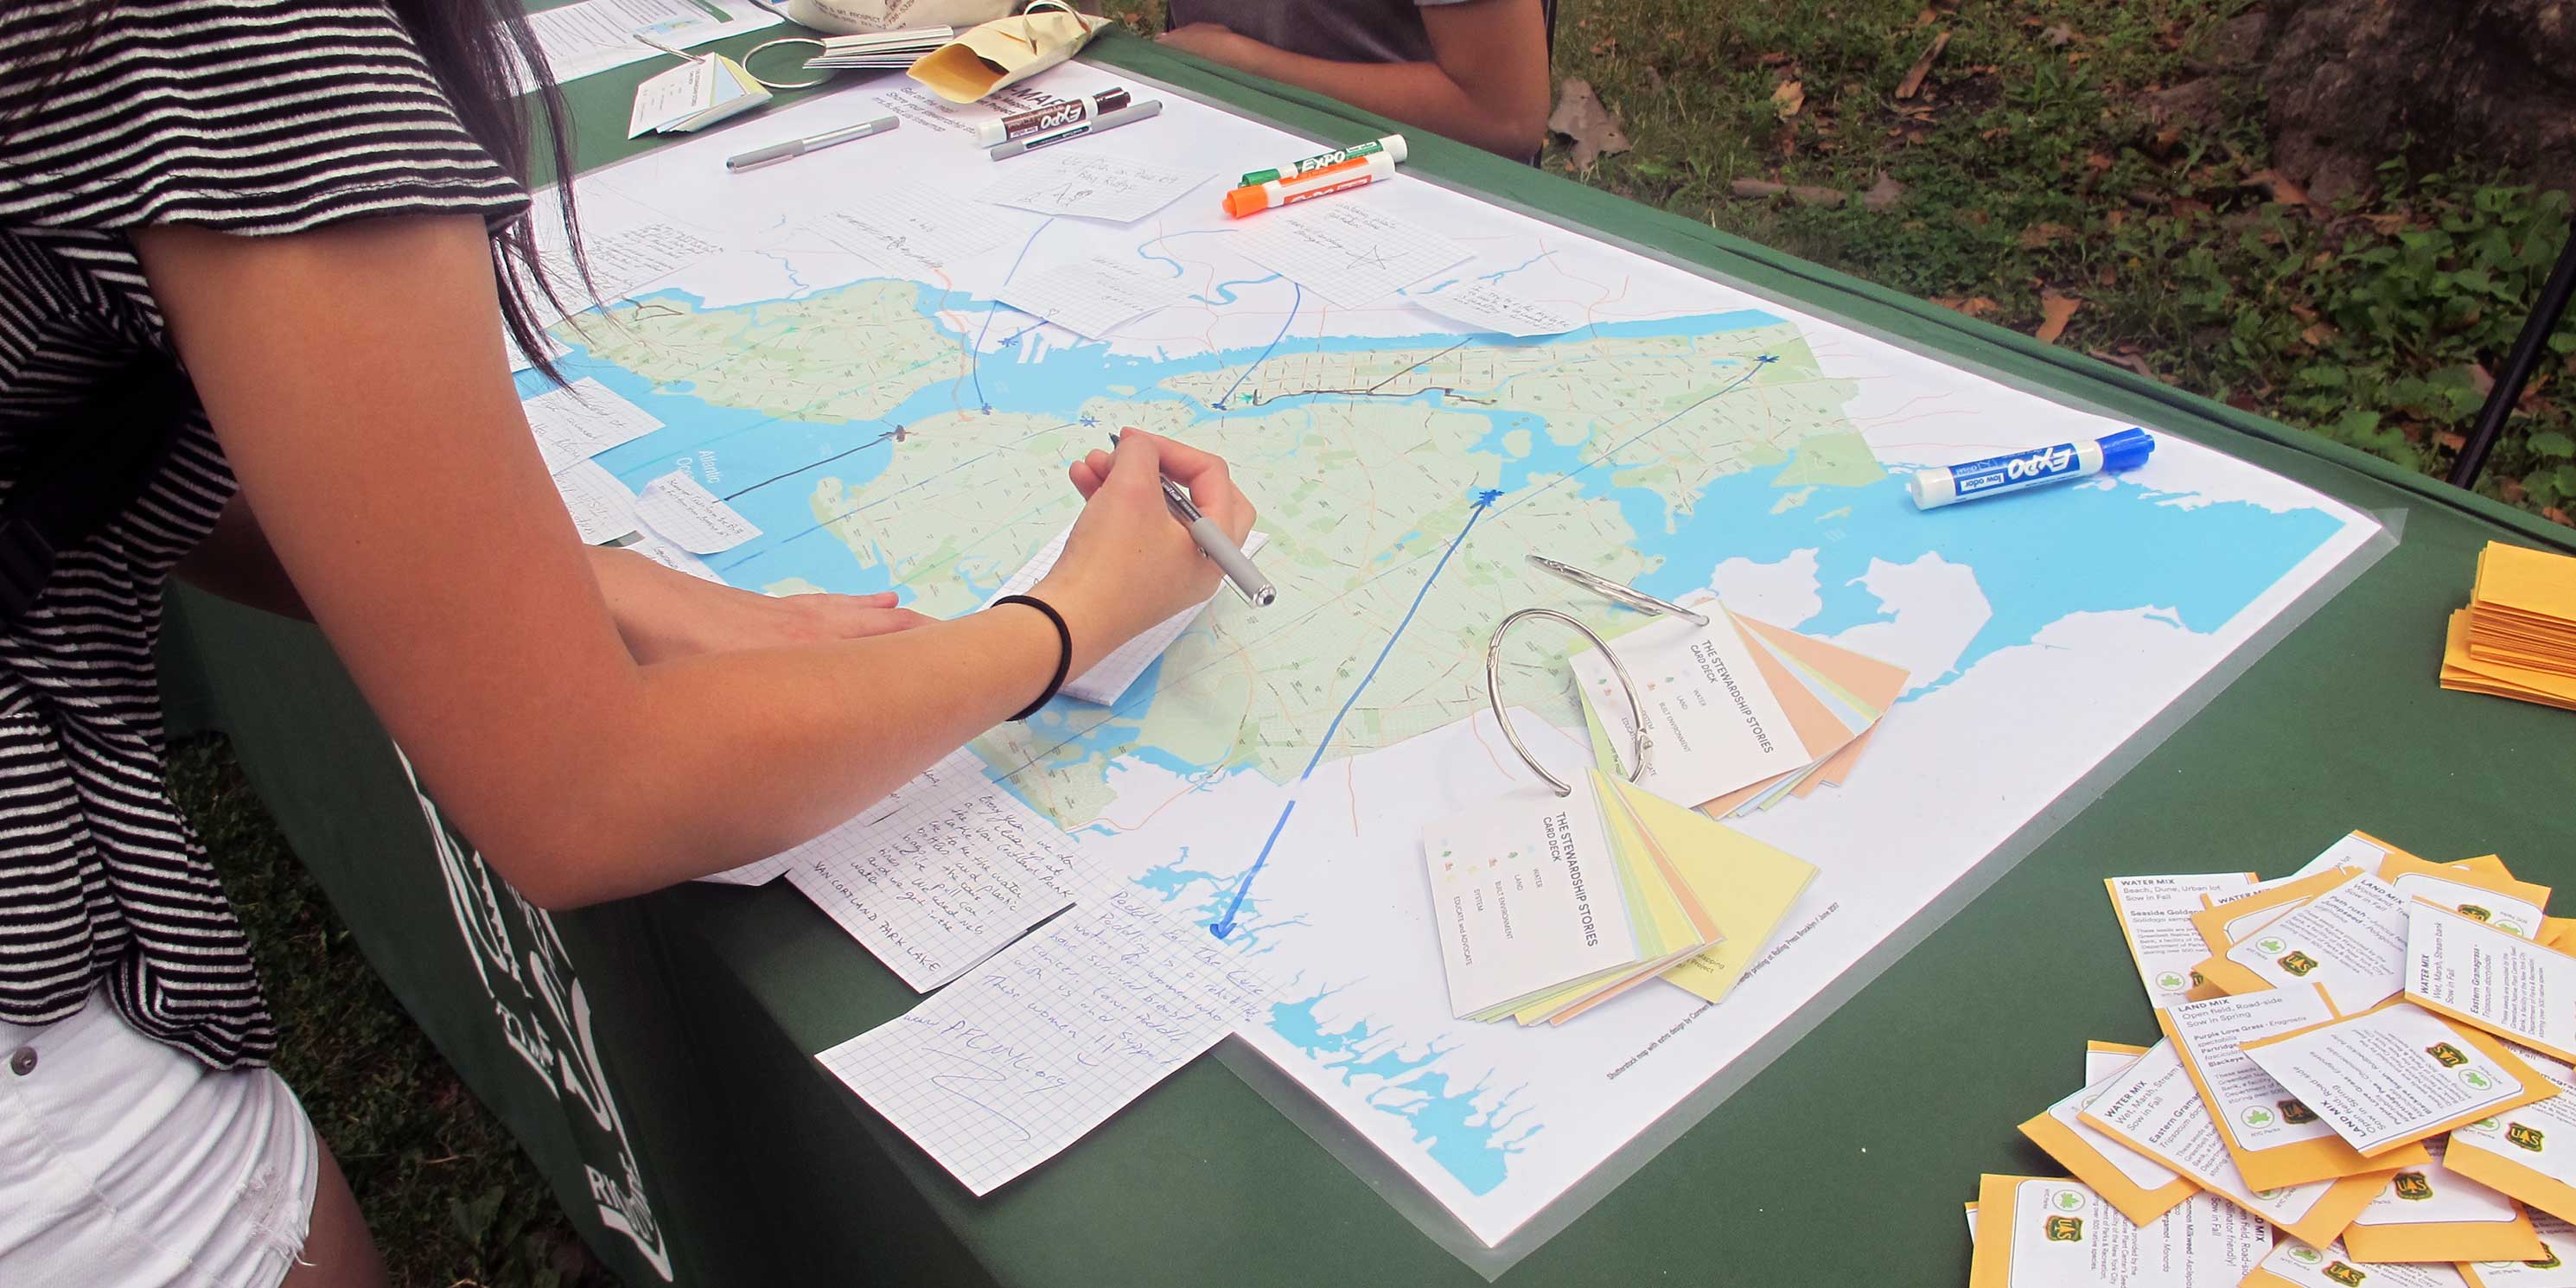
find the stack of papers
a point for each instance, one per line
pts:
(696, 94)
(878, 50)
(2517, 637)
(1547, 905)
(2364, 1079)
(1742, 714)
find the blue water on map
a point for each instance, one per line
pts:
(2037, 556)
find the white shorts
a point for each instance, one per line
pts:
(125, 1162)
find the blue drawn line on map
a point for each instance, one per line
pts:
(1144, 250)
(1503, 273)
(1631, 440)
(1294, 303)
(1223, 292)
(1484, 501)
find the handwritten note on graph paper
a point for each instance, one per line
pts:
(696, 520)
(1345, 251)
(1119, 189)
(940, 875)
(907, 230)
(1488, 307)
(1109, 678)
(1094, 295)
(602, 508)
(1026, 1053)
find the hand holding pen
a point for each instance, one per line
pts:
(1127, 564)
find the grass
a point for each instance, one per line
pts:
(2056, 151)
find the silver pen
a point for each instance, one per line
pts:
(1105, 121)
(1608, 589)
(813, 143)
(1216, 545)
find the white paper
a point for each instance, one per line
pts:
(1094, 295)
(908, 230)
(2504, 912)
(660, 550)
(1109, 678)
(1525, 895)
(2064, 1236)
(595, 35)
(603, 509)
(1090, 185)
(1346, 250)
(2353, 850)
(2332, 1267)
(1022, 1056)
(2155, 916)
(682, 509)
(2154, 1107)
(1714, 722)
(940, 875)
(683, 91)
(2387, 1077)
(2350, 941)
(2498, 981)
(2557, 1270)
(2102, 1064)
(1488, 307)
(581, 420)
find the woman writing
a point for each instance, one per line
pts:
(269, 238)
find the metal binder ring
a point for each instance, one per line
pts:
(783, 40)
(1494, 695)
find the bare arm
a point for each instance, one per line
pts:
(397, 483)
(1486, 85)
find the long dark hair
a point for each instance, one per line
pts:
(474, 48)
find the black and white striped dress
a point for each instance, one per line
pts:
(255, 117)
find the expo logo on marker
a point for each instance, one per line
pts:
(2047, 460)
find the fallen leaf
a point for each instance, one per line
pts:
(1883, 194)
(1789, 97)
(1978, 307)
(2039, 235)
(2318, 335)
(2056, 37)
(2481, 382)
(1757, 188)
(1580, 117)
(1773, 60)
(2450, 440)
(2511, 490)
(1808, 195)
(1913, 81)
(2055, 311)
(2132, 360)
(2557, 516)
(2278, 188)
(1926, 18)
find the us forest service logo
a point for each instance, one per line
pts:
(2447, 1055)
(2065, 1229)
(2345, 1275)
(2298, 963)
(2472, 910)
(2527, 1137)
(2414, 1186)
(2294, 1112)
(2548, 1261)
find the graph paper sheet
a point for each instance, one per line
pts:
(940, 875)
(1121, 190)
(1025, 1054)
(1108, 678)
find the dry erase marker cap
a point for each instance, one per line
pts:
(1246, 201)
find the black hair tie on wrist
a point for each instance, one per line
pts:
(1063, 654)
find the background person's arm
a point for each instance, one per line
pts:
(1487, 83)
(355, 378)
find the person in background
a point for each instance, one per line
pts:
(1474, 70)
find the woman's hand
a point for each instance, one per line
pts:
(1128, 564)
(1213, 41)
(663, 614)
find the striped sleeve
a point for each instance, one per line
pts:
(244, 116)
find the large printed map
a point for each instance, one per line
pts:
(890, 427)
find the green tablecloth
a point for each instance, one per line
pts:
(660, 1046)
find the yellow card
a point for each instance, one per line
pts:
(2430, 1213)
(2554, 1268)
(2534, 582)
(1746, 885)
(2038, 1233)
(2350, 941)
(2272, 1132)
(2157, 1111)
(2391, 1076)
(2528, 1153)
(2140, 1187)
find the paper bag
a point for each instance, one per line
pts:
(868, 17)
(1005, 51)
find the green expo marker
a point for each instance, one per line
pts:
(1392, 145)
